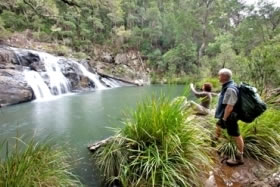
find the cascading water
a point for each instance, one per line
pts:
(91, 76)
(51, 80)
(37, 84)
(111, 82)
(57, 81)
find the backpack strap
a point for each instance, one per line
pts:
(234, 86)
(237, 106)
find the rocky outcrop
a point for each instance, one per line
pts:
(127, 65)
(7, 59)
(13, 88)
(121, 68)
(78, 82)
(73, 73)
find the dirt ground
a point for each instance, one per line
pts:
(251, 174)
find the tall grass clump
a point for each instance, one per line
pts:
(156, 147)
(35, 165)
(261, 139)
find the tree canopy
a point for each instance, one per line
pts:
(178, 36)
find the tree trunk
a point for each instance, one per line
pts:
(204, 32)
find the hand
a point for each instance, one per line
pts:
(191, 85)
(222, 123)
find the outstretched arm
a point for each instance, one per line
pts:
(214, 94)
(192, 88)
(197, 94)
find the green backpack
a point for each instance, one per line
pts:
(249, 105)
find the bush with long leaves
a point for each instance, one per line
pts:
(261, 139)
(35, 164)
(156, 147)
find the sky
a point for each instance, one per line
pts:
(250, 2)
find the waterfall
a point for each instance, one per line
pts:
(49, 79)
(111, 82)
(57, 81)
(91, 76)
(37, 84)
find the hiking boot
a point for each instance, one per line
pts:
(237, 161)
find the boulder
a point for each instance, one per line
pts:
(78, 81)
(7, 58)
(85, 82)
(108, 58)
(67, 66)
(13, 88)
(126, 65)
(121, 59)
(29, 59)
(20, 61)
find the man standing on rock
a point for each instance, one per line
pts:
(226, 115)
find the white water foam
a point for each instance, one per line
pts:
(91, 76)
(37, 84)
(111, 82)
(59, 84)
(56, 83)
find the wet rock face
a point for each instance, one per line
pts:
(85, 82)
(13, 88)
(9, 60)
(73, 73)
(28, 58)
(79, 82)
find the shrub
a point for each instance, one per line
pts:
(261, 139)
(156, 147)
(35, 165)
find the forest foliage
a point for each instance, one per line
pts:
(179, 37)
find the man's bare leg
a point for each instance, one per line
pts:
(239, 156)
(239, 143)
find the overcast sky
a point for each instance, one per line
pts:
(277, 2)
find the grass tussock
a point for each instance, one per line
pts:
(156, 147)
(35, 165)
(261, 139)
